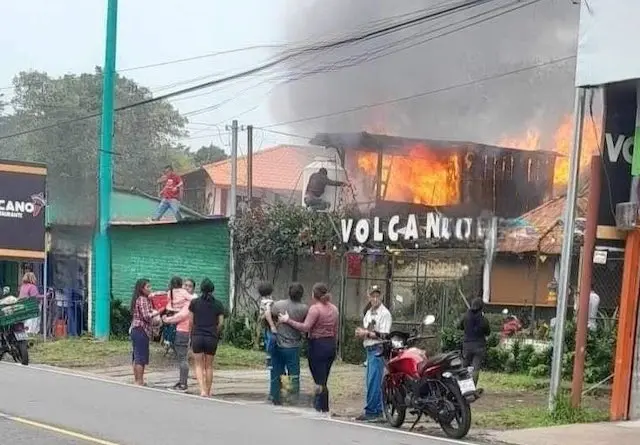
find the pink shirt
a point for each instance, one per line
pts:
(180, 299)
(321, 321)
(28, 290)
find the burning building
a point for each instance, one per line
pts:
(393, 175)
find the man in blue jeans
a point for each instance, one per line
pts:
(170, 195)
(377, 324)
(286, 354)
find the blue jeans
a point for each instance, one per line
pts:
(168, 204)
(284, 359)
(375, 374)
(322, 353)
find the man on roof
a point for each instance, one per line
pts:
(171, 194)
(316, 186)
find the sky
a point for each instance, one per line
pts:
(67, 36)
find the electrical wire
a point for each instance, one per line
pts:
(423, 93)
(276, 61)
(364, 59)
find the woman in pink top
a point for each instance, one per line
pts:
(322, 325)
(29, 289)
(179, 298)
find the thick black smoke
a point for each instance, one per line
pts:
(483, 112)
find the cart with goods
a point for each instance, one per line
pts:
(13, 338)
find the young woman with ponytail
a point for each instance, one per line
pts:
(322, 325)
(206, 317)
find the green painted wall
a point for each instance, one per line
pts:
(158, 252)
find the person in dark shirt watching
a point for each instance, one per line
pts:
(316, 186)
(476, 330)
(207, 314)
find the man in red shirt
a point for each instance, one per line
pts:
(171, 194)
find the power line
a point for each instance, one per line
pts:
(283, 58)
(379, 53)
(423, 93)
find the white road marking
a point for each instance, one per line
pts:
(311, 414)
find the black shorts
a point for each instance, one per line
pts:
(204, 345)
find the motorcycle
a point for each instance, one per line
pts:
(13, 336)
(439, 386)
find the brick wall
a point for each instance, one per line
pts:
(158, 252)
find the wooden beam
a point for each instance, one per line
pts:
(610, 233)
(22, 254)
(623, 367)
(12, 168)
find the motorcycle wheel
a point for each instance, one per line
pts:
(22, 349)
(462, 415)
(394, 412)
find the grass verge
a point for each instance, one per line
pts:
(86, 352)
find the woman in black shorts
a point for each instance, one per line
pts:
(207, 315)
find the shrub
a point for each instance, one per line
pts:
(120, 319)
(240, 331)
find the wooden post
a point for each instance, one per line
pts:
(621, 389)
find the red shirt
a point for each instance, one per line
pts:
(170, 189)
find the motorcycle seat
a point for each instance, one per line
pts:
(436, 360)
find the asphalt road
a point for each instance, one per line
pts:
(15, 433)
(61, 407)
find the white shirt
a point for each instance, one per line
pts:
(594, 304)
(378, 320)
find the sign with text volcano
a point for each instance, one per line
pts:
(22, 210)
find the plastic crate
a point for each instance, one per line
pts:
(23, 310)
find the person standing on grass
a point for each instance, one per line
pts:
(286, 353)
(170, 195)
(178, 299)
(29, 289)
(322, 325)
(141, 327)
(206, 315)
(377, 325)
(476, 330)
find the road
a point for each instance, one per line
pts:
(43, 406)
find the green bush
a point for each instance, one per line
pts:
(240, 332)
(120, 319)
(352, 350)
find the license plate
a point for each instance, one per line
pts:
(466, 386)
(20, 336)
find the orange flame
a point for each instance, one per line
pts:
(562, 140)
(422, 176)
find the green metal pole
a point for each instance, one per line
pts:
(102, 241)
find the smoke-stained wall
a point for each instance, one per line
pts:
(481, 112)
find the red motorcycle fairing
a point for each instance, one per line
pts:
(407, 362)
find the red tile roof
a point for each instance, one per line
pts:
(538, 222)
(276, 168)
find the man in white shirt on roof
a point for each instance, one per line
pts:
(377, 324)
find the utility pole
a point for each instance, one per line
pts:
(232, 211)
(102, 241)
(250, 165)
(586, 272)
(567, 244)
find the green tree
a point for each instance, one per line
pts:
(208, 154)
(144, 137)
